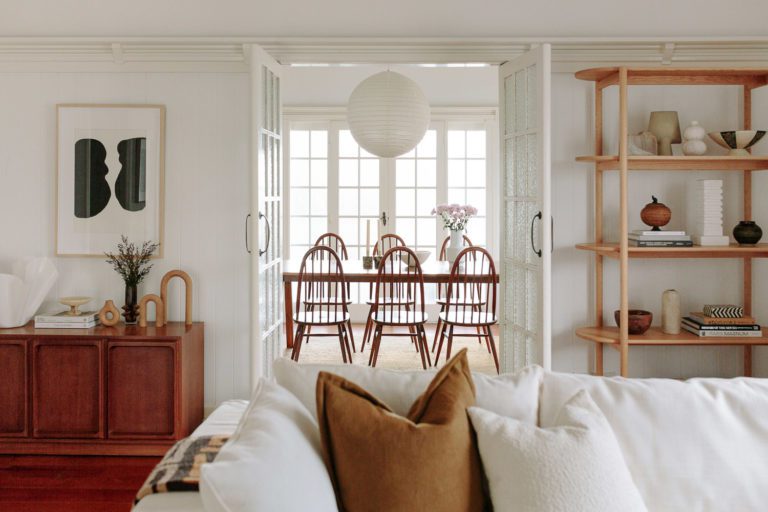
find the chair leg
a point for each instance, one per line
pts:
(376, 344)
(297, 343)
(372, 350)
(309, 327)
(425, 361)
(368, 329)
(351, 335)
(440, 344)
(347, 333)
(480, 334)
(341, 344)
(450, 344)
(493, 347)
(437, 328)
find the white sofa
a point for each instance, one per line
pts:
(696, 445)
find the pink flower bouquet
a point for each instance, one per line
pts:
(455, 216)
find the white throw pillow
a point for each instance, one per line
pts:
(511, 394)
(575, 466)
(698, 445)
(272, 462)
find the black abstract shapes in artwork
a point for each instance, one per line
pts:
(131, 183)
(91, 188)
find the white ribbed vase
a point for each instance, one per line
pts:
(388, 114)
(670, 312)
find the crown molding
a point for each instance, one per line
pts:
(227, 54)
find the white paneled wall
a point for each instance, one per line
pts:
(207, 134)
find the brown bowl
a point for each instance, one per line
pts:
(639, 320)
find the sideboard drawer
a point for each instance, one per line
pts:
(13, 391)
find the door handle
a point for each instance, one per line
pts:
(383, 218)
(537, 252)
(269, 234)
(247, 247)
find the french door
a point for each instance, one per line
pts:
(265, 228)
(526, 234)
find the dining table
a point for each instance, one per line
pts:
(436, 272)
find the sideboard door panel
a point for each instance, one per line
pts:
(13, 391)
(141, 389)
(67, 388)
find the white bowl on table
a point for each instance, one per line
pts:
(422, 256)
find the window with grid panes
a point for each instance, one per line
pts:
(466, 179)
(308, 188)
(416, 194)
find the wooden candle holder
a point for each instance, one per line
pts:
(109, 315)
(159, 310)
(188, 288)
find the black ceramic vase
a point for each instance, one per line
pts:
(747, 232)
(131, 307)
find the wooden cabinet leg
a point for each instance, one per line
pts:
(288, 314)
(747, 360)
(599, 359)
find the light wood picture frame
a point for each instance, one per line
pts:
(110, 177)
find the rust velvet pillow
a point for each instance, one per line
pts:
(381, 461)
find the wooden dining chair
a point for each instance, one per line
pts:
(336, 243)
(399, 302)
(440, 295)
(386, 243)
(470, 300)
(323, 292)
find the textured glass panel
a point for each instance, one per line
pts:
(533, 167)
(425, 200)
(369, 202)
(531, 100)
(348, 173)
(405, 173)
(300, 230)
(521, 165)
(278, 167)
(299, 201)
(533, 210)
(318, 225)
(299, 173)
(509, 104)
(508, 176)
(508, 228)
(369, 173)
(406, 228)
(348, 201)
(476, 144)
(348, 230)
(520, 100)
(347, 144)
(299, 143)
(318, 198)
(426, 173)
(319, 143)
(456, 144)
(476, 173)
(319, 173)
(519, 296)
(405, 202)
(509, 287)
(532, 301)
(426, 233)
(427, 148)
(457, 173)
(521, 225)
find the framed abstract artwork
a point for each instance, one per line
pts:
(110, 178)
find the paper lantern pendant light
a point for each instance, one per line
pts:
(388, 114)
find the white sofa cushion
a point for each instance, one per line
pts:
(574, 465)
(272, 462)
(698, 445)
(513, 394)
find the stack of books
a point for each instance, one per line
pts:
(640, 238)
(722, 321)
(709, 214)
(64, 320)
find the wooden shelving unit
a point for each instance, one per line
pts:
(623, 77)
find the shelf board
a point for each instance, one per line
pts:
(655, 336)
(606, 76)
(611, 250)
(679, 163)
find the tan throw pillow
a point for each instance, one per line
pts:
(381, 461)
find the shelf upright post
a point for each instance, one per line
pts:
(747, 293)
(623, 219)
(598, 225)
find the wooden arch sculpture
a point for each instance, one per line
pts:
(109, 315)
(187, 285)
(159, 310)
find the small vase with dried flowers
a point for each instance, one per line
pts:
(132, 263)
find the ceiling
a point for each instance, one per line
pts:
(385, 18)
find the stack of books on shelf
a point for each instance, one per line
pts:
(64, 320)
(640, 238)
(722, 321)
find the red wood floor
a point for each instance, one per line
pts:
(41, 483)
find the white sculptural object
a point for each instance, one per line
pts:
(23, 291)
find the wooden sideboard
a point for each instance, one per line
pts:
(122, 390)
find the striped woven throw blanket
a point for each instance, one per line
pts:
(180, 468)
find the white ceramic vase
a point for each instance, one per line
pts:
(693, 138)
(670, 312)
(455, 246)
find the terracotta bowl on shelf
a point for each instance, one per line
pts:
(639, 320)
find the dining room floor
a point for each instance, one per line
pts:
(396, 353)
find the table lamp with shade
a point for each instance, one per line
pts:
(666, 127)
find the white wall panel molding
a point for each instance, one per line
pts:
(227, 54)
